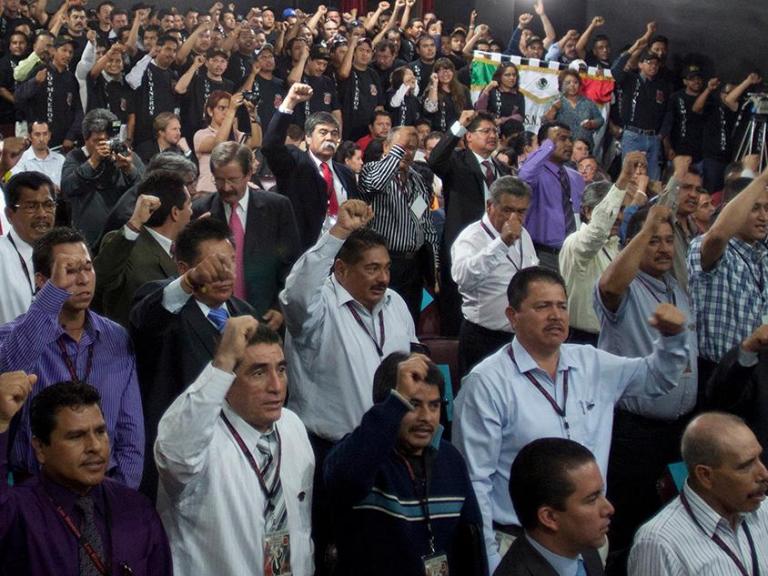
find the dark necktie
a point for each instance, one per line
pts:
(565, 185)
(490, 176)
(219, 317)
(275, 515)
(90, 534)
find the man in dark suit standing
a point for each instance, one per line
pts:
(141, 251)
(467, 175)
(176, 325)
(312, 180)
(558, 493)
(263, 228)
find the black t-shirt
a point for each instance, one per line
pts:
(7, 109)
(155, 95)
(384, 74)
(717, 132)
(57, 101)
(270, 94)
(193, 102)
(324, 98)
(114, 95)
(407, 113)
(422, 71)
(407, 50)
(238, 68)
(685, 128)
(360, 95)
(447, 111)
(644, 101)
(505, 104)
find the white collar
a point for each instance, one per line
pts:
(165, 243)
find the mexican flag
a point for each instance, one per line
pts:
(539, 83)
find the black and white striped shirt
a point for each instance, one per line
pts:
(392, 194)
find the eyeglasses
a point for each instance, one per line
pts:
(230, 181)
(32, 207)
(486, 131)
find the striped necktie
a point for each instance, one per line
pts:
(219, 317)
(275, 514)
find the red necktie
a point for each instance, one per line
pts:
(333, 203)
(489, 175)
(238, 233)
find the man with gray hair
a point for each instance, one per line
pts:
(587, 252)
(312, 180)
(485, 257)
(263, 227)
(717, 524)
(400, 200)
(95, 176)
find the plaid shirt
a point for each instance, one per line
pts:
(731, 299)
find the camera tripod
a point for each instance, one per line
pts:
(754, 139)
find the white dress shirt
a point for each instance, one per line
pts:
(338, 187)
(498, 411)
(16, 285)
(671, 543)
(209, 497)
(51, 165)
(165, 243)
(482, 266)
(242, 208)
(5, 225)
(331, 358)
(585, 255)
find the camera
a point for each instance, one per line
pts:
(759, 102)
(252, 96)
(116, 140)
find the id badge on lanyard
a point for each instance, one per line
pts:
(277, 554)
(436, 564)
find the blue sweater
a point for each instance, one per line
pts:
(380, 523)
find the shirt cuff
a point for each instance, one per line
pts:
(285, 110)
(214, 381)
(402, 399)
(458, 130)
(174, 296)
(129, 234)
(746, 358)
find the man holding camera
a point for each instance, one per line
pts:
(96, 175)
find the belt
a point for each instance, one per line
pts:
(640, 131)
(547, 249)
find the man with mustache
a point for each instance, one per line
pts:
(60, 338)
(312, 180)
(400, 200)
(717, 525)
(558, 493)
(339, 328)
(71, 518)
(538, 387)
(388, 477)
(646, 432)
(30, 207)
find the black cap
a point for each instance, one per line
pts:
(648, 55)
(267, 47)
(533, 40)
(319, 52)
(692, 71)
(62, 39)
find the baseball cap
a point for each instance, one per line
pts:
(62, 39)
(319, 53)
(288, 12)
(648, 55)
(692, 71)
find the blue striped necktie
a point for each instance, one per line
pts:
(219, 317)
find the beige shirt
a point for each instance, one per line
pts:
(585, 255)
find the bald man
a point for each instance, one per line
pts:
(717, 525)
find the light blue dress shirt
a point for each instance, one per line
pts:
(498, 411)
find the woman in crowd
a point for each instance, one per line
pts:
(579, 112)
(501, 96)
(402, 98)
(220, 111)
(446, 97)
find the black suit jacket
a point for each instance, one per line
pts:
(463, 185)
(271, 243)
(299, 179)
(742, 391)
(171, 351)
(522, 559)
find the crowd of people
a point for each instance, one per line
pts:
(219, 239)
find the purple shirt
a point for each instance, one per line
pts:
(545, 221)
(30, 343)
(37, 542)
